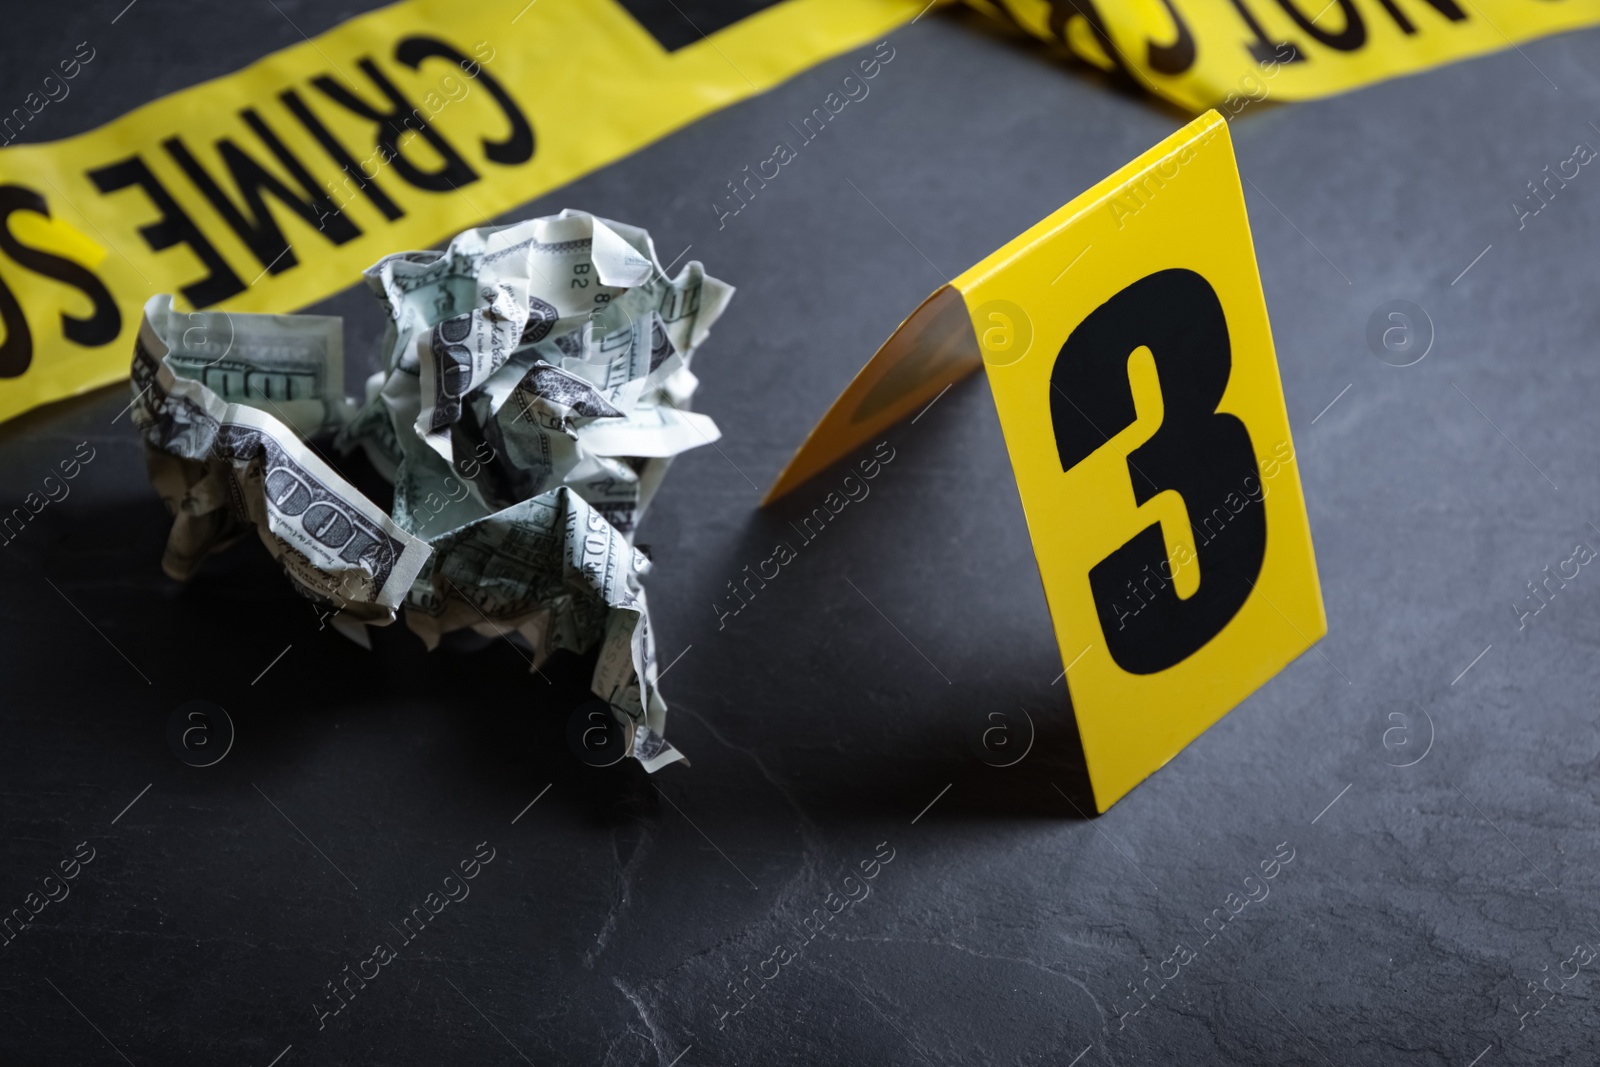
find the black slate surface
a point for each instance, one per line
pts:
(1421, 902)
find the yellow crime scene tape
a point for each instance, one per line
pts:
(1227, 53)
(273, 187)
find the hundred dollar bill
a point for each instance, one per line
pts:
(535, 386)
(456, 315)
(485, 339)
(554, 572)
(289, 365)
(655, 432)
(224, 468)
(613, 447)
(458, 355)
(372, 429)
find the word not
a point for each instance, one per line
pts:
(1582, 153)
(1232, 505)
(70, 68)
(22, 917)
(1233, 905)
(412, 925)
(1581, 554)
(813, 924)
(388, 151)
(783, 154)
(33, 503)
(827, 511)
(1207, 47)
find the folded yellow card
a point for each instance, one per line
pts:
(1126, 343)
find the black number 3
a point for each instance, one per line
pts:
(1203, 454)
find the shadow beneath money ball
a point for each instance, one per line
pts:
(475, 724)
(131, 644)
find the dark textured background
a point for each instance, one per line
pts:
(1007, 929)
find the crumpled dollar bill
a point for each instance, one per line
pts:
(225, 464)
(536, 387)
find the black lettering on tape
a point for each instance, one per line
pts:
(16, 351)
(1447, 8)
(104, 321)
(258, 229)
(402, 115)
(340, 155)
(1177, 57)
(173, 227)
(1353, 36)
(518, 144)
(1064, 11)
(1262, 48)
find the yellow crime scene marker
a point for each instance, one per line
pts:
(1126, 342)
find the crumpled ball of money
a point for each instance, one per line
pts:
(537, 386)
